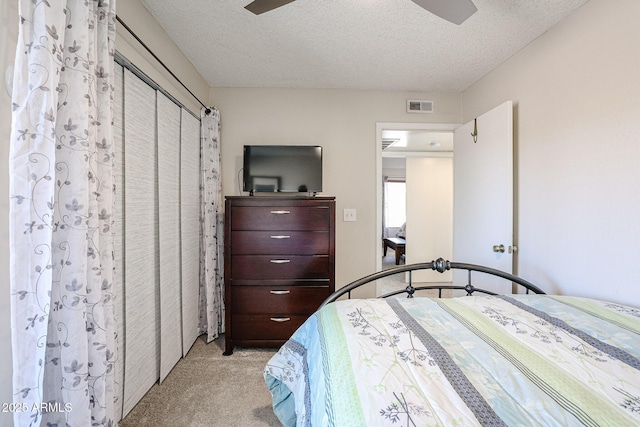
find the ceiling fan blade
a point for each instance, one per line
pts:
(262, 6)
(455, 11)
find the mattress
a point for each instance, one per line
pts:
(517, 360)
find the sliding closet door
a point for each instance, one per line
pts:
(169, 233)
(157, 234)
(142, 295)
(190, 226)
(118, 230)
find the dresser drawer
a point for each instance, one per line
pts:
(280, 267)
(284, 243)
(280, 218)
(265, 326)
(277, 299)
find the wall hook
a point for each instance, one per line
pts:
(475, 131)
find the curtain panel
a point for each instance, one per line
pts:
(212, 220)
(61, 214)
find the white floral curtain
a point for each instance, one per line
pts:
(61, 214)
(212, 220)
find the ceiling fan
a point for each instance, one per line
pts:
(455, 11)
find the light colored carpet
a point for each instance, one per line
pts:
(209, 389)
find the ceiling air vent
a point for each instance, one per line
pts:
(416, 106)
(387, 142)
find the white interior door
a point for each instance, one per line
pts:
(483, 195)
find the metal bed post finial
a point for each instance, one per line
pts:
(441, 265)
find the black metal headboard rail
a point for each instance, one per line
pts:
(441, 265)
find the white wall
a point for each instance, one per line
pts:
(576, 92)
(344, 123)
(8, 39)
(429, 214)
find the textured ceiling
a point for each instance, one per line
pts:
(353, 44)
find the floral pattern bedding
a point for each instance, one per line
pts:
(517, 360)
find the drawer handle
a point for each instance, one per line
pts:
(280, 319)
(280, 212)
(280, 292)
(280, 237)
(280, 261)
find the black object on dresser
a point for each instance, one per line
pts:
(279, 265)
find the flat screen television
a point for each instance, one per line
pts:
(282, 168)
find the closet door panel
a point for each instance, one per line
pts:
(190, 227)
(169, 233)
(142, 297)
(118, 230)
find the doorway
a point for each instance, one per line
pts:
(397, 143)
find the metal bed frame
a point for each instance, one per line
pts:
(440, 265)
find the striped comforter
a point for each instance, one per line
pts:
(518, 360)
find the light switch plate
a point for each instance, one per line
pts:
(349, 214)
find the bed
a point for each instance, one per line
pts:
(526, 359)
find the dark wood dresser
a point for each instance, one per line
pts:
(279, 266)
